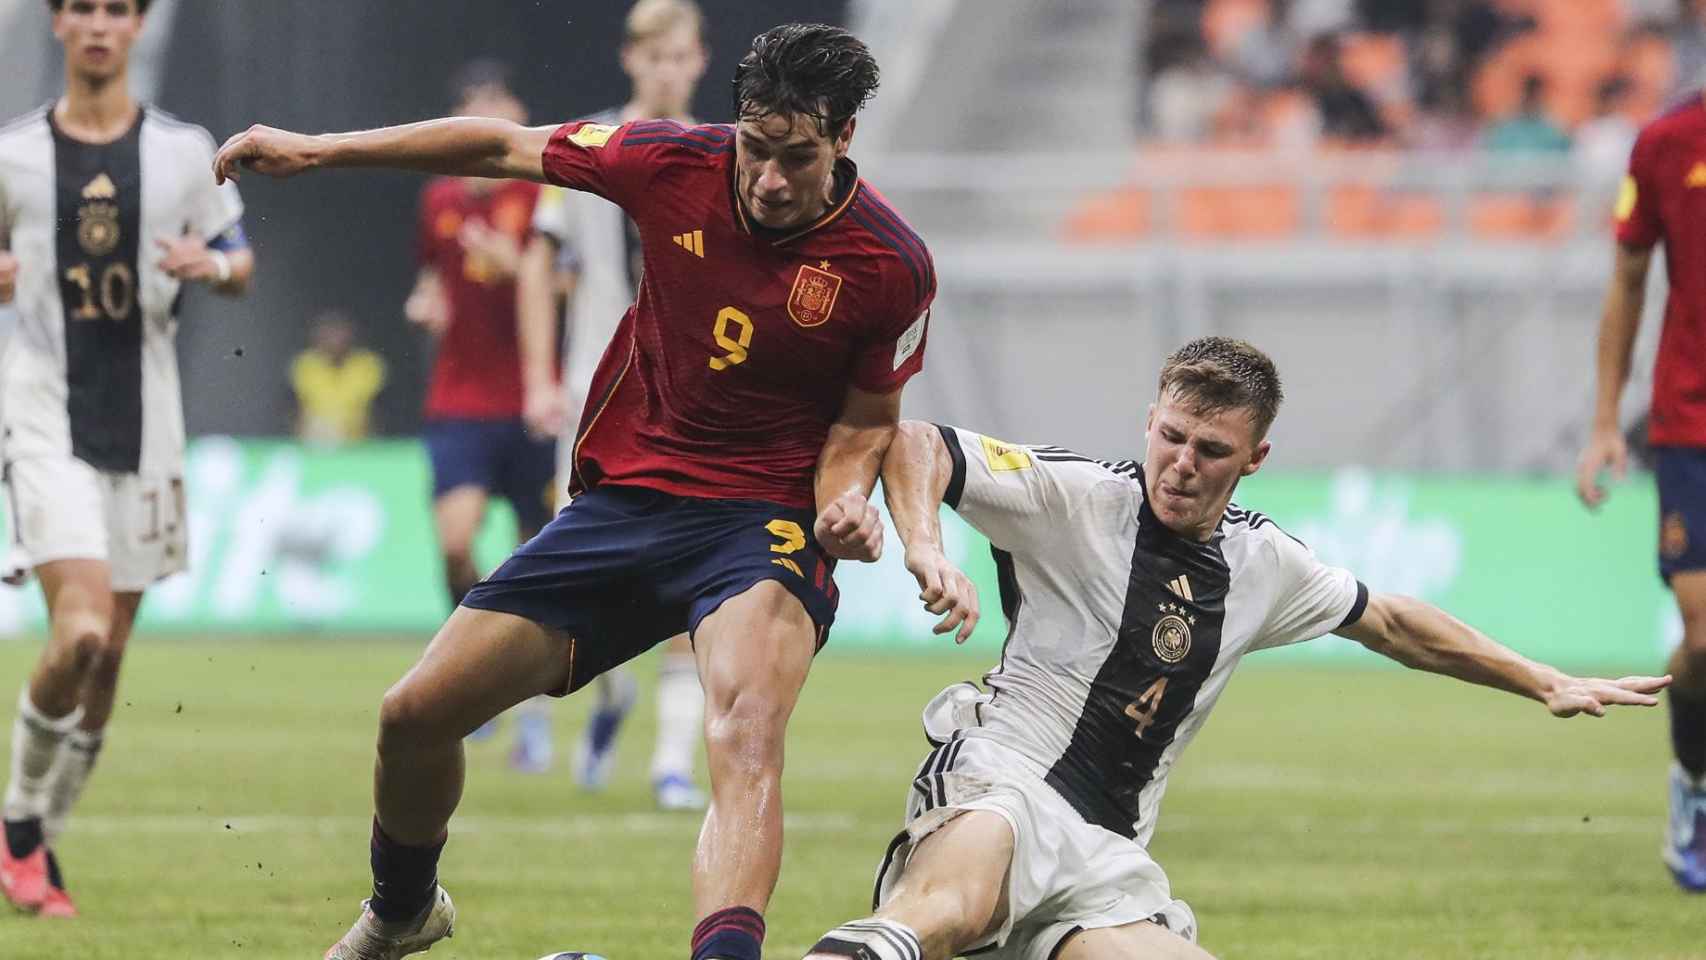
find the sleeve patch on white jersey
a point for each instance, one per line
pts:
(908, 343)
(1005, 456)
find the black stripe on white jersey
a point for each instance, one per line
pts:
(97, 227)
(1167, 646)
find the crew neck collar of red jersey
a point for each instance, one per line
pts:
(847, 186)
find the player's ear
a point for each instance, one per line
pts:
(845, 139)
(1256, 459)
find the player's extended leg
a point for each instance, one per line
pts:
(1685, 849)
(754, 652)
(1146, 939)
(952, 893)
(80, 749)
(80, 614)
(681, 711)
(480, 664)
(457, 514)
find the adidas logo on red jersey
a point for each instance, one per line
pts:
(693, 243)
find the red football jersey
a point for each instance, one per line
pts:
(726, 373)
(477, 372)
(1664, 198)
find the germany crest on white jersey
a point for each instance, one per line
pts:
(1122, 633)
(91, 370)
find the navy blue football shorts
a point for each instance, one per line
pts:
(498, 456)
(621, 569)
(1682, 509)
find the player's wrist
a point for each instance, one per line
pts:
(221, 264)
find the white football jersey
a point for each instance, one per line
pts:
(603, 246)
(1122, 633)
(91, 370)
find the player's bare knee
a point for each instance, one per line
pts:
(403, 719)
(744, 733)
(81, 639)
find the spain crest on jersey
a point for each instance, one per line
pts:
(813, 296)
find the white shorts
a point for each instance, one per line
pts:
(1067, 874)
(64, 509)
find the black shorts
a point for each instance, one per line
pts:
(1682, 509)
(498, 456)
(622, 568)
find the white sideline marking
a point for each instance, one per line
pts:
(1398, 825)
(570, 825)
(658, 824)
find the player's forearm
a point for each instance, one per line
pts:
(915, 477)
(535, 293)
(454, 146)
(1618, 324)
(852, 456)
(1421, 636)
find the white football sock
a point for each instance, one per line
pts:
(681, 715)
(70, 773)
(881, 939)
(35, 744)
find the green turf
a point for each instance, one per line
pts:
(1323, 814)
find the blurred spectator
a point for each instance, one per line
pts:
(1688, 43)
(1266, 53)
(1529, 130)
(335, 383)
(1604, 142)
(1347, 113)
(1445, 122)
(1187, 95)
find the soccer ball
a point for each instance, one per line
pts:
(572, 956)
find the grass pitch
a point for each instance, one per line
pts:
(1335, 814)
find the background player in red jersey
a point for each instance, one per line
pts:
(469, 245)
(733, 434)
(1664, 199)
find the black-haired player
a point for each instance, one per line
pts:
(732, 436)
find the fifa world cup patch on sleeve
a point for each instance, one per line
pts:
(1005, 456)
(1626, 196)
(592, 135)
(909, 340)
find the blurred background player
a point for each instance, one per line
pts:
(471, 235)
(1663, 200)
(598, 249)
(107, 210)
(335, 382)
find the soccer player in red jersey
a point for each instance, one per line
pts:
(469, 246)
(1664, 200)
(732, 436)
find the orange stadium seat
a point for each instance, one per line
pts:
(1111, 216)
(1356, 211)
(1519, 217)
(1263, 212)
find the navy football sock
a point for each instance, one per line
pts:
(736, 933)
(404, 877)
(1688, 730)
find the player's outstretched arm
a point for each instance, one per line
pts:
(455, 146)
(848, 526)
(916, 473)
(1424, 637)
(1618, 322)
